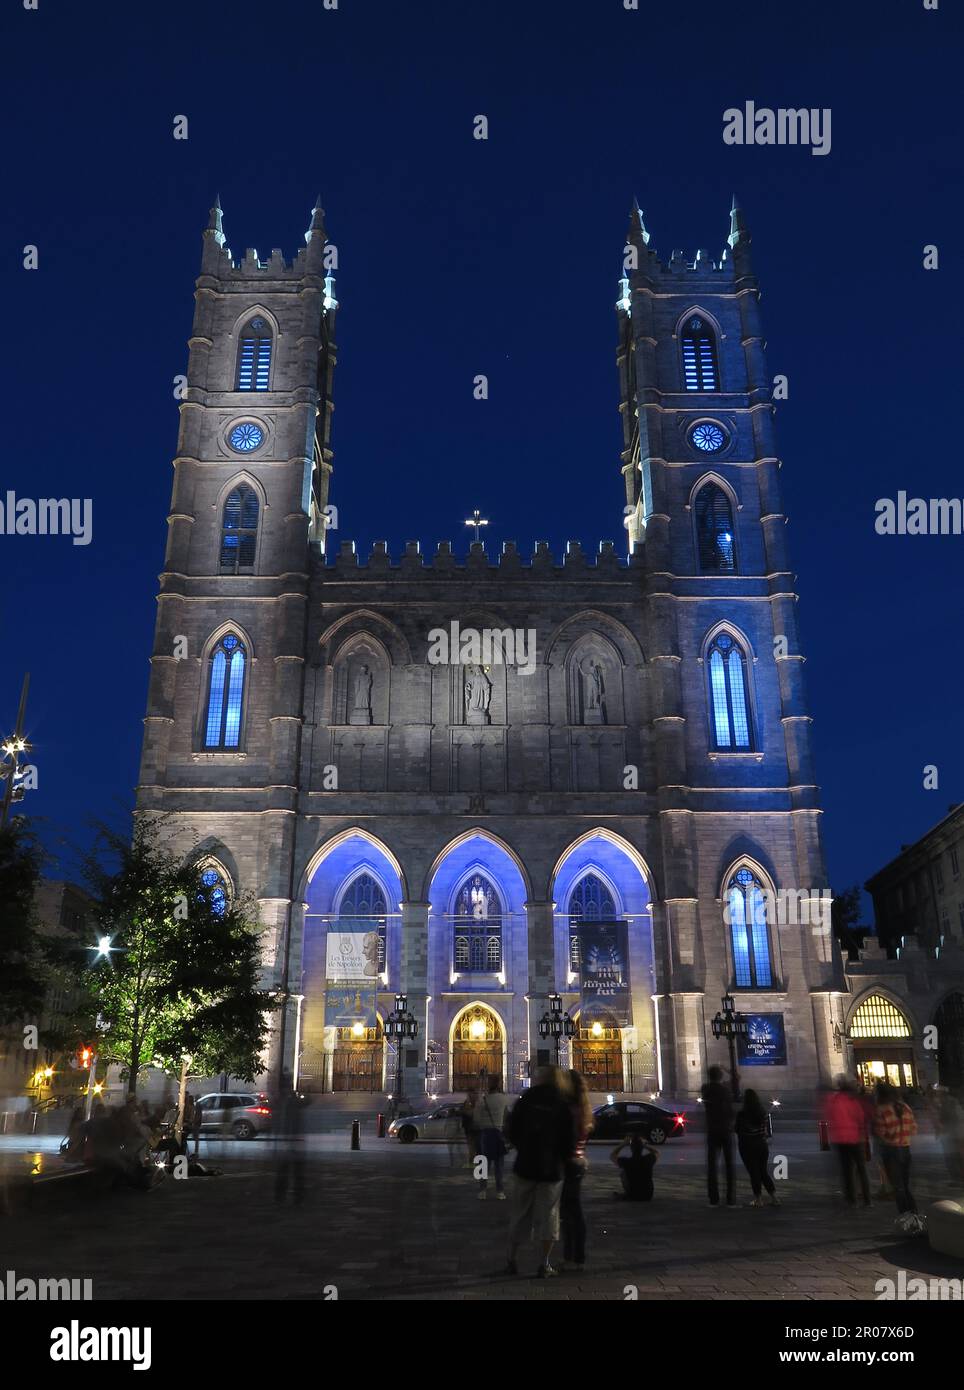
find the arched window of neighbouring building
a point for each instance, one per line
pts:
(477, 943)
(222, 725)
(714, 530)
(363, 903)
(698, 347)
(254, 355)
(729, 694)
(749, 936)
(590, 901)
(239, 530)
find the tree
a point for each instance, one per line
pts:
(23, 968)
(177, 968)
(845, 917)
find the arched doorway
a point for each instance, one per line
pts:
(357, 1059)
(478, 1048)
(597, 1052)
(883, 1043)
(949, 1021)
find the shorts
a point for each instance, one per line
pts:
(536, 1204)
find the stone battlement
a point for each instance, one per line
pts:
(542, 562)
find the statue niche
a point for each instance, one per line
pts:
(360, 686)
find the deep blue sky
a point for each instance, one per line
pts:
(459, 257)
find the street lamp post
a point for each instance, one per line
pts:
(12, 749)
(731, 1025)
(402, 1026)
(556, 1024)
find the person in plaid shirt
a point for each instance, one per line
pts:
(894, 1126)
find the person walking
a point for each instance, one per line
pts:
(847, 1131)
(751, 1140)
(489, 1120)
(636, 1171)
(541, 1130)
(718, 1112)
(949, 1124)
(570, 1203)
(894, 1126)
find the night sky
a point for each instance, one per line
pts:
(459, 257)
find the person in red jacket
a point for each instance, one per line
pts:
(847, 1124)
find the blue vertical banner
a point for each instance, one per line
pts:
(765, 1044)
(604, 972)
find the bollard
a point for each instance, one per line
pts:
(355, 1134)
(379, 1126)
(33, 1122)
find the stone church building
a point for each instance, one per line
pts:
(510, 776)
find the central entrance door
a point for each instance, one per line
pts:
(597, 1052)
(477, 1049)
(356, 1063)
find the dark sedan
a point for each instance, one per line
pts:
(623, 1117)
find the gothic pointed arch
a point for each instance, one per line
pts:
(593, 620)
(332, 862)
(226, 675)
(217, 881)
(698, 334)
(594, 681)
(713, 505)
(728, 660)
(389, 633)
(748, 899)
(257, 334)
(240, 505)
(361, 680)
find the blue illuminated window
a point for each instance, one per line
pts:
(707, 437)
(239, 530)
(225, 694)
(729, 697)
(363, 908)
(246, 437)
(254, 356)
(746, 906)
(477, 941)
(214, 881)
(590, 901)
(714, 530)
(698, 345)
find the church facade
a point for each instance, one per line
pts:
(499, 785)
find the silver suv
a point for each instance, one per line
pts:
(242, 1114)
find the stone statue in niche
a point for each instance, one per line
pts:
(478, 693)
(593, 692)
(361, 702)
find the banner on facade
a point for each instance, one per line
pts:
(765, 1044)
(351, 955)
(604, 972)
(347, 1005)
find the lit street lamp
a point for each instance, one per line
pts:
(731, 1025)
(556, 1024)
(402, 1026)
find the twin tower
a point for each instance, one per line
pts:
(648, 767)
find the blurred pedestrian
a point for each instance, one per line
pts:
(469, 1131)
(289, 1144)
(751, 1138)
(570, 1203)
(949, 1124)
(895, 1126)
(847, 1130)
(718, 1114)
(489, 1120)
(540, 1128)
(636, 1169)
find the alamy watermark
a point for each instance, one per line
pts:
(27, 1290)
(788, 907)
(919, 516)
(47, 516)
(488, 646)
(762, 125)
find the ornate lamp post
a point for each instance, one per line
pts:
(556, 1024)
(400, 1025)
(731, 1025)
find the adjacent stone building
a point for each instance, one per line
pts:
(503, 777)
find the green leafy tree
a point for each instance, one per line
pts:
(177, 969)
(23, 965)
(845, 917)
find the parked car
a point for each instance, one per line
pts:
(442, 1123)
(242, 1114)
(623, 1117)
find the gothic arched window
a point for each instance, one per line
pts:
(217, 887)
(222, 726)
(714, 530)
(239, 530)
(698, 346)
(729, 694)
(477, 943)
(363, 902)
(254, 355)
(589, 901)
(746, 911)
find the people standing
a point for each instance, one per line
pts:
(894, 1126)
(541, 1129)
(636, 1171)
(489, 1122)
(847, 1131)
(469, 1131)
(751, 1139)
(570, 1203)
(949, 1124)
(718, 1114)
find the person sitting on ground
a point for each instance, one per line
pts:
(636, 1171)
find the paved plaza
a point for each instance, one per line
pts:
(401, 1222)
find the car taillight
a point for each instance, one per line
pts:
(261, 1110)
(680, 1121)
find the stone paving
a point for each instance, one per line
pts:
(395, 1222)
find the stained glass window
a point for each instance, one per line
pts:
(699, 356)
(477, 941)
(729, 699)
(246, 437)
(254, 356)
(225, 694)
(239, 530)
(213, 880)
(364, 902)
(707, 437)
(590, 901)
(714, 530)
(877, 1017)
(748, 931)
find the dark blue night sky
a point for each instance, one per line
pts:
(459, 257)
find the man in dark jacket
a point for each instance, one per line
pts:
(541, 1129)
(718, 1115)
